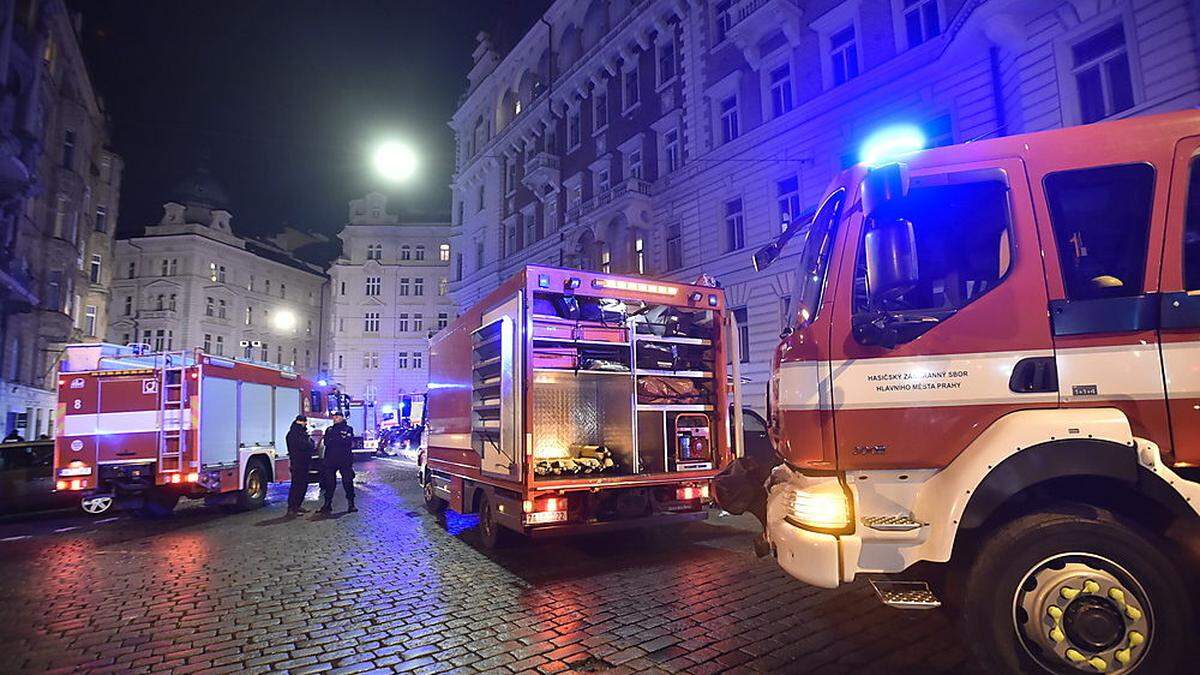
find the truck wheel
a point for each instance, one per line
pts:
(254, 488)
(491, 532)
(433, 503)
(96, 505)
(1076, 590)
(159, 503)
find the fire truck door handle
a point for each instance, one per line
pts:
(1037, 374)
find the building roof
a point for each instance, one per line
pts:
(201, 189)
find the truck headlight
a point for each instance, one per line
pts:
(824, 507)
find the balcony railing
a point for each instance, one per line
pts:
(628, 186)
(743, 9)
(542, 160)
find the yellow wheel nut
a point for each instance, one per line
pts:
(1075, 656)
(1123, 655)
(1054, 612)
(1133, 612)
(1057, 635)
(1117, 595)
(1136, 638)
(1069, 593)
(1098, 663)
(1090, 586)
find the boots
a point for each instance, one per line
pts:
(327, 509)
(351, 508)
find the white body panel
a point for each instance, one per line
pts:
(218, 412)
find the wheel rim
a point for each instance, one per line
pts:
(428, 489)
(485, 520)
(254, 484)
(97, 505)
(1082, 612)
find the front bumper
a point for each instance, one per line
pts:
(812, 557)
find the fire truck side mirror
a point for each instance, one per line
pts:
(766, 255)
(883, 184)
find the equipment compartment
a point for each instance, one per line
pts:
(580, 420)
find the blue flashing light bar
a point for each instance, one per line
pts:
(889, 144)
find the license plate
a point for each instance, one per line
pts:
(545, 517)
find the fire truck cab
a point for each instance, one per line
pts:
(991, 384)
(161, 426)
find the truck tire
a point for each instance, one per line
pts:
(433, 503)
(159, 502)
(491, 533)
(254, 488)
(97, 505)
(1076, 590)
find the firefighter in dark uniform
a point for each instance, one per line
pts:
(339, 458)
(300, 449)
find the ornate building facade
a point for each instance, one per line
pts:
(390, 292)
(59, 192)
(674, 137)
(190, 281)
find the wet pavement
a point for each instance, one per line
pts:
(394, 589)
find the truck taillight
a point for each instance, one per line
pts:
(193, 477)
(76, 484)
(176, 478)
(60, 485)
(545, 510)
(691, 492)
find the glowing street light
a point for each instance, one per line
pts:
(395, 161)
(284, 320)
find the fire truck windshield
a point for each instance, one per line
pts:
(814, 258)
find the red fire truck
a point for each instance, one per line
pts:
(991, 382)
(161, 426)
(568, 401)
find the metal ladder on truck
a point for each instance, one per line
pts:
(172, 397)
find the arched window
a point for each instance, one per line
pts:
(406, 252)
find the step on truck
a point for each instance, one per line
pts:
(157, 427)
(569, 401)
(988, 393)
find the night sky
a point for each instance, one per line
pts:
(287, 97)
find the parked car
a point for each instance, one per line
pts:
(27, 478)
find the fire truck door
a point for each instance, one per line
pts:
(1180, 304)
(963, 330)
(505, 458)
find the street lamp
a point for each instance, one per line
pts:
(284, 320)
(395, 161)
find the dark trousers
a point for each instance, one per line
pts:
(330, 482)
(299, 485)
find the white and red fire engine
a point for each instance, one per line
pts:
(994, 363)
(161, 426)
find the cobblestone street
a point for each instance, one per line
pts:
(391, 588)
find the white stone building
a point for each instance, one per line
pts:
(674, 137)
(389, 294)
(189, 281)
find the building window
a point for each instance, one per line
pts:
(173, 268)
(531, 228)
(402, 359)
(164, 269)
(634, 168)
(787, 196)
(666, 57)
(510, 177)
(418, 360)
(216, 272)
(729, 119)
(220, 346)
(605, 259)
(743, 328)
(89, 321)
(922, 21)
(419, 286)
(843, 55)
(419, 253)
(639, 253)
(207, 346)
(160, 302)
(444, 252)
(671, 150)
(631, 86)
(132, 270)
(68, 150)
(405, 252)
(308, 327)
(371, 322)
(171, 302)
(510, 239)
(603, 181)
(674, 247)
(374, 251)
(479, 255)
(443, 320)
(249, 319)
(340, 362)
(458, 266)
(373, 286)
(480, 199)
(735, 229)
(267, 286)
(283, 290)
(101, 218)
(599, 109)
(1103, 79)
(129, 306)
(221, 309)
(403, 287)
(781, 90)
(418, 322)
(402, 323)
(724, 19)
(342, 289)
(94, 269)
(574, 130)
